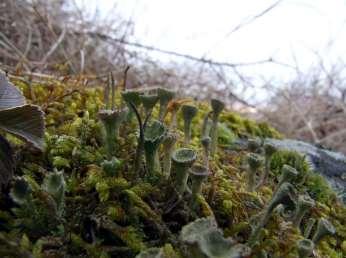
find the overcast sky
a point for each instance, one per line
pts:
(202, 27)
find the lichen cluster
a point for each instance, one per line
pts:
(141, 186)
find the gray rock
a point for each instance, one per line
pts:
(331, 165)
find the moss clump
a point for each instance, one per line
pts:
(105, 210)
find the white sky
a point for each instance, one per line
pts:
(196, 27)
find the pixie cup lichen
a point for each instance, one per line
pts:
(206, 141)
(131, 97)
(165, 96)
(148, 102)
(253, 145)
(308, 228)
(198, 175)
(305, 202)
(20, 191)
(217, 107)
(111, 167)
(254, 163)
(182, 160)
(324, 228)
(284, 195)
(154, 134)
(288, 173)
(269, 150)
(168, 148)
(189, 112)
(305, 248)
(111, 120)
(54, 184)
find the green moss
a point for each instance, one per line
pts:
(292, 159)
(318, 188)
(114, 216)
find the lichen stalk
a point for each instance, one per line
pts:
(324, 228)
(198, 175)
(284, 194)
(206, 150)
(168, 148)
(182, 160)
(304, 204)
(305, 248)
(269, 150)
(309, 225)
(111, 121)
(254, 162)
(189, 112)
(217, 107)
(153, 136)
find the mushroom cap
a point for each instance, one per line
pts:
(254, 160)
(165, 95)
(184, 156)
(189, 112)
(149, 101)
(305, 247)
(131, 96)
(217, 106)
(269, 149)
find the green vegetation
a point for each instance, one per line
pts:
(89, 194)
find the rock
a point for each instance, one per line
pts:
(331, 165)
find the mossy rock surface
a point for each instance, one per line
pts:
(121, 214)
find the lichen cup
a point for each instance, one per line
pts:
(198, 175)
(182, 160)
(189, 112)
(154, 134)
